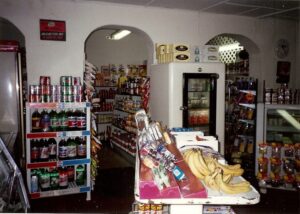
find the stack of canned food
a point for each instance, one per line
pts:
(69, 90)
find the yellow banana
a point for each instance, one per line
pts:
(211, 182)
(227, 170)
(202, 165)
(232, 188)
(227, 178)
(189, 158)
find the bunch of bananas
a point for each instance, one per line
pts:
(215, 175)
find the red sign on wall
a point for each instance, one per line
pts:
(52, 30)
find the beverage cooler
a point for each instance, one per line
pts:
(278, 146)
(189, 95)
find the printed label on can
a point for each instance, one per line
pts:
(71, 122)
(34, 153)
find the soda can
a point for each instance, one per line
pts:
(66, 80)
(56, 98)
(45, 89)
(45, 98)
(78, 98)
(44, 80)
(76, 81)
(67, 98)
(54, 89)
(34, 184)
(34, 98)
(77, 89)
(34, 89)
(66, 90)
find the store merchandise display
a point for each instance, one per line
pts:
(89, 94)
(58, 146)
(183, 173)
(278, 155)
(281, 95)
(241, 123)
(69, 90)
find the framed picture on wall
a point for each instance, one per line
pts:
(283, 72)
(52, 30)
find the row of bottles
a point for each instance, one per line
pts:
(282, 95)
(58, 121)
(130, 85)
(46, 179)
(43, 150)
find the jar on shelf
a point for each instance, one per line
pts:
(276, 150)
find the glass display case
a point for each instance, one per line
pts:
(13, 196)
(278, 154)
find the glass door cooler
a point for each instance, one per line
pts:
(199, 102)
(278, 150)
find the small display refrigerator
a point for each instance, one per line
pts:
(199, 102)
(278, 147)
(189, 95)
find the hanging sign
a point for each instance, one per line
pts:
(52, 30)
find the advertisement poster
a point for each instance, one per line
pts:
(283, 72)
(52, 30)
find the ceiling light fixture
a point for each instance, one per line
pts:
(119, 34)
(230, 47)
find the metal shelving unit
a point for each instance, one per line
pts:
(72, 187)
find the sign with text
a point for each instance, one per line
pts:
(52, 30)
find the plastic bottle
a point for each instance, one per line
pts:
(71, 120)
(35, 151)
(63, 121)
(63, 178)
(71, 154)
(44, 151)
(35, 121)
(54, 179)
(80, 120)
(81, 147)
(54, 121)
(52, 148)
(80, 175)
(62, 150)
(71, 173)
(45, 180)
(45, 121)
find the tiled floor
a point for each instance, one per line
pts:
(113, 193)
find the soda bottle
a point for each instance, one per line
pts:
(71, 173)
(35, 151)
(80, 120)
(71, 120)
(63, 178)
(81, 147)
(35, 121)
(62, 150)
(71, 154)
(63, 121)
(44, 150)
(54, 121)
(52, 148)
(80, 175)
(54, 179)
(45, 121)
(45, 180)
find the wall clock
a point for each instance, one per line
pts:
(282, 48)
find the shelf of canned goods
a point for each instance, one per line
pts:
(58, 149)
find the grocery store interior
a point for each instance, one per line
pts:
(89, 120)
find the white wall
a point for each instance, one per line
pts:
(161, 25)
(129, 50)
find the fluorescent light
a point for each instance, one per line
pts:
(118, 34)
(289, 118)
(230, 47)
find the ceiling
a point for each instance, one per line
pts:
(253, 8)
